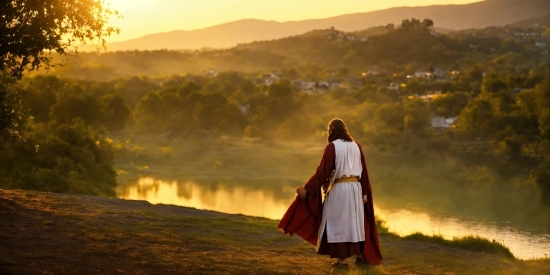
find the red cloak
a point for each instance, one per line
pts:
(303, 217)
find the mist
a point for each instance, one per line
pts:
(254, 118)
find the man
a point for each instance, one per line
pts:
(347, 226)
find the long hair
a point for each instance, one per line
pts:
(337, 130)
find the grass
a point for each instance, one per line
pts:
(131, 237)
(471, 243)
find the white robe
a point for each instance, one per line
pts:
(343, 213)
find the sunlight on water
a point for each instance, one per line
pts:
(523, 244)
(262, 203)
(232, 200)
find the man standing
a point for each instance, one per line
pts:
(347, 227)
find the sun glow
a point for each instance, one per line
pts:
(142, 17)
(133, 4)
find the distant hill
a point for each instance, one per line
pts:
(455, 17)
(328, 48)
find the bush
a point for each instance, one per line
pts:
(69, 159)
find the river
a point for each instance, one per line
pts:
(228, 197)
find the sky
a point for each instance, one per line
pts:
(142, 17)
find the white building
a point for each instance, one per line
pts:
(440, 122)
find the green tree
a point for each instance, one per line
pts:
(10, 114)
(390, 115)
(477, 118)
(273, 105)
(72, 107)
(115, 113)
(39, 95)
(417, 116)
(449, 104)
(492, 83)
(415, 24)
(543, 99)
(31, 30)
(147, 110)
(187, 88)
(64, 159)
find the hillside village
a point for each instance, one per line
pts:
(406, 90)
(452, 116)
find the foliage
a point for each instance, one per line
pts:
(115, 113)
(30, 30)
(417, 25)
(188, 109)
(11, 114)
(478, 117)
(65, 159)
(449, 104)
(496, 87)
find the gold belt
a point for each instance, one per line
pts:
(350, 179)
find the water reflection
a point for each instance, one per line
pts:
(227, 199)
(271, 201)
(524, 244)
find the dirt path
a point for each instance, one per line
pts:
(46, 233)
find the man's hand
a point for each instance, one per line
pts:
(365, 200)
(301, 192)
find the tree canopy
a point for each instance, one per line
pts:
(30, 30)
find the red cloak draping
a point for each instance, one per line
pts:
(371, 250)
(303, 217)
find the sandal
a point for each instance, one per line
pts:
(338, 264)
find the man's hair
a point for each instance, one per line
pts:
(337, 130)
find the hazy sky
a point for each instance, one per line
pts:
(143, 17)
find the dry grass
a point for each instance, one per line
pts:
(44, 233)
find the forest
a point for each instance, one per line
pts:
(392, 84)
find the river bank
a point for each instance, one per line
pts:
(47, 233)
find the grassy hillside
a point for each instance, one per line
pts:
(46, 233)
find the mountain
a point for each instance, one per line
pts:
(475, 15)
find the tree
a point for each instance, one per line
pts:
(477, 117)
(449, 104)
(390, 115)
(415, 24)
(69, 159)
(115, 112)
(31, 30)
(543, 99)
(493, 83)
(416, 116)
(9, 115)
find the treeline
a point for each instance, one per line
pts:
(500, 102)
(320, 54)
(68, 124)
(505, 131)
